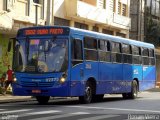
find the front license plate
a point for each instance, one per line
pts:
(36, 91)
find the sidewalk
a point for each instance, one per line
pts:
(10, 98)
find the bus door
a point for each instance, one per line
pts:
(77, 66)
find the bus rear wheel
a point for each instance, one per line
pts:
(134, 91)
(87, 98)
(42, 99)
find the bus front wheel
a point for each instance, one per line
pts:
(87, 98)
(42, 99)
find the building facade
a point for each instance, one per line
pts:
(106, 16)
(145, 25)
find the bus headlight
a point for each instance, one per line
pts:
(63, 78)
(14, 79)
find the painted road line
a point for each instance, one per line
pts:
(80, 113)
(14, 111)
(57, 116)
(99, 117)
(43, 112)
(118, 109)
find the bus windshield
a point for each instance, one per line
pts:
(41, 55)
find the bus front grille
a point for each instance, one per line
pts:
(36, 84)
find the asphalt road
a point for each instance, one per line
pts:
(113, 107)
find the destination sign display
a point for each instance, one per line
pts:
(40, 31)
(44, 31)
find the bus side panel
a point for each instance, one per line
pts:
(77, 85)
(91, 70)
(132, 72)
(117, 77)
(105, 78)
(149, 77)
(127, 77)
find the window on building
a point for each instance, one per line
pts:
(95, 28)
(81, 25)
(104, 4)
(121, 34)
(61, 22)
(124, 10)
(36, 1)
(105, 31)
(114, 5)
(119, 8)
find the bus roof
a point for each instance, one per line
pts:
(111, 38)
(65, 30)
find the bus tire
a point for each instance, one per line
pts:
(87, 98)
(134, 90)
(42, 99)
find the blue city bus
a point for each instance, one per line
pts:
(59, 61)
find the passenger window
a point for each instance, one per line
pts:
(126, 49)
(90, 49)
(115, 47)
(145, 56)
(104, 51)
(77, 54)
(145, 52)
(135, 50)
(104, 45)
(77, 49)
(90, 43)
(116, 55)
(91, 55)
(151, 53)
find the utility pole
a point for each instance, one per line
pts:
(36, 15)
(50, 9)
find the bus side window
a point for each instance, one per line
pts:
(127, 53)
(136, 53)
(151, 57)
(116, 52)
(77, 55)
(90, 49)
(145, 56)
(104, 51)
